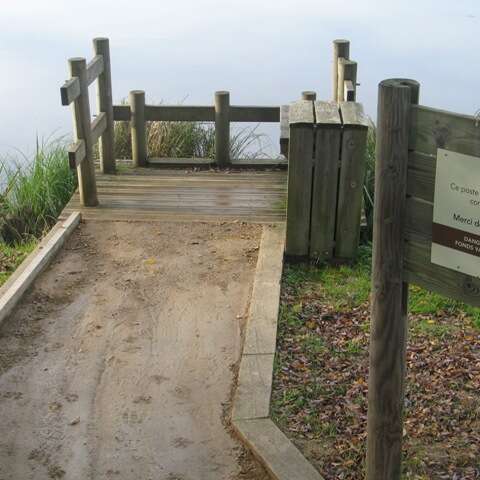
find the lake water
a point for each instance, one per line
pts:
(263, 52)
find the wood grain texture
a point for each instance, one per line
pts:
(222, 128)
(99, 125)
(21, 280)
(82, 131)
(254, 113)
(70, 91)
(138, 128)
(156, 195)
(325, 180)
(347, 70)
(122, 113)
(179, 113)
(254, 387)
(300, 112)
(284, 129)
(76, 153)
(300, 166)
(341, 49)
(275, 451)
(94, 68)
(389, 293)
(350, 185)
(261, 328)
(101, 47)
(432, 129)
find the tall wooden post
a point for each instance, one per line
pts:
(82, 131)
(347, 70)
(341, 49)
(105, 104)
(222, 128)
(308, 95)
(389, 293)
(138, 130)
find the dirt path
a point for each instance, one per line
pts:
(119, 363)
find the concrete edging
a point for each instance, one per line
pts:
(251, 405)
(14, 288)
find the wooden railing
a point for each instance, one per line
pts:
(222, 113)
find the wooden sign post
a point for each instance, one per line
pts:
(414, 145)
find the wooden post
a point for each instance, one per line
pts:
(222, 128)
(308, 95)
(300, 157)
(83, 131)
(341, 49)
(347, 70)
(139, 139)
(105, 104)
(389, 293)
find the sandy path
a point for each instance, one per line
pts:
(118, 364)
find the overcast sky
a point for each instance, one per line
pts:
(263, 51)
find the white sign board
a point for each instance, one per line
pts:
(456, 213)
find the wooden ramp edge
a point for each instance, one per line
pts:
(251, 405)
(14, 288)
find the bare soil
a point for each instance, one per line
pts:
(120, 361)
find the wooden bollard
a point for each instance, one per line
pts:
(347, 70)
(87, 186)
(309, 95)
(138, 130)
(341, 49)
(388, 336)
(105, 104)
(222, 128)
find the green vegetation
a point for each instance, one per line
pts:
(319, 395)
(33, 195)
(189, 140)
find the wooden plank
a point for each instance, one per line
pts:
(76, 153)
(253, 113)
(122, 113)
(432, 129)
(299, 184)
(16, 286)
(70, 91)
(327, 114)
(421, 176)
(94, 68)
(284, 129)
(261, 329)
(254, 387)
(350, 185)
(179, 113)
(240, 162)
(418, 219)
(354, 116)
(418, 269)
(347, 70)
(300, 112)
(274, 450)
(325, 179)
(99, 125)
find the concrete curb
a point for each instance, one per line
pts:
(14, 288)
(251, 405)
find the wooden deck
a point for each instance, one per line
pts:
(177, 195)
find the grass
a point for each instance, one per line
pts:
(319, 396)
(190, 140)
(33, 195)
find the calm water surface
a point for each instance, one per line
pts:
(264, 52)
